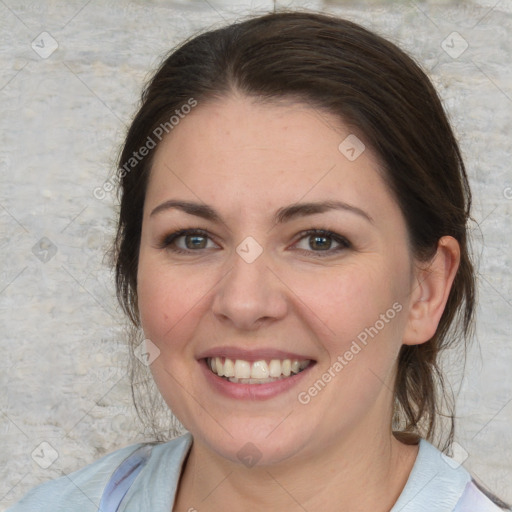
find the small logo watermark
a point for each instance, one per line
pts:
(44, 45)
(454, 45)
(352, 147)
(146, 352)
(44, 455)
(249, 455)
(249, 249)
(44, 250)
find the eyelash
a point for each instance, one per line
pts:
(170, 239)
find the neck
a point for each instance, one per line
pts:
(358, 473)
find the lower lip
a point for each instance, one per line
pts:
(252, 391)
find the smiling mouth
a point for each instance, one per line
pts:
(258, 372)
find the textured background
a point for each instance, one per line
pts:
(63, 116)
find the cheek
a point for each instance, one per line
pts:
(363, 313)
(349, 300)
(170, 299)
(356, 314)
(153, 300)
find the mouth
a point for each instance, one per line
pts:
(241, 371)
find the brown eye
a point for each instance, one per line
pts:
(318, 241)
(195, 241)
(186, 241)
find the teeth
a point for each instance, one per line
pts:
(219, 366)
(229, 368)
(258, 372)
(275, 368)
(251, 381)
(242, 369)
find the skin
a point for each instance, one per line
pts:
(246, 160)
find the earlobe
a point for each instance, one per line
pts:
(430, 292)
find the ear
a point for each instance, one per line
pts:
(430, 291)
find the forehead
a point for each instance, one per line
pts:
(238, 153)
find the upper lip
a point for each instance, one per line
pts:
(251, 355)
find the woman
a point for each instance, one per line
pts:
(292, 243)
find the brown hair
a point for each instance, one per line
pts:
(373, 87)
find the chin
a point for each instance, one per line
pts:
(253, 443)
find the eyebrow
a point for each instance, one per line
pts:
(282, 215)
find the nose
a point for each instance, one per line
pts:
(250, 295)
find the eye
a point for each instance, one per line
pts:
(321, 241)
(185, 241)
(317, 242)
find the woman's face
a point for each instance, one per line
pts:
(252, 287)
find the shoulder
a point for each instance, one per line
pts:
(82, 490)
(438, 482)
(474, 500)
(71, 491)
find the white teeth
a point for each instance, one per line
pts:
(229, 368)
(275, 368)
(242, 369)
(220, 367)
(257, 372)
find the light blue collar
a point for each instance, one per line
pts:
(436, 482)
